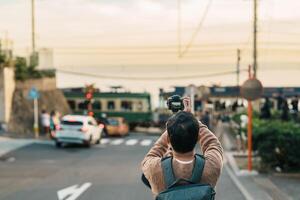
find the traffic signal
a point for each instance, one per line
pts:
(89, 92)
(91, 113)
(89, 96)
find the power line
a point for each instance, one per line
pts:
(187, 47)
(170, 46)
(203, 53)
(149, 78)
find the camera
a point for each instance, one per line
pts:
(175, 103)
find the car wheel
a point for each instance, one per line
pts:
(58, 144)
(104, 134)
(88, 143)
(98, 141)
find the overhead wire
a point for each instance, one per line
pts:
(155, 78)
(199, 26)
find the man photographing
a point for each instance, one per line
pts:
(185, 167)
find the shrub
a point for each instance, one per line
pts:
(24, 72)
(277, 143)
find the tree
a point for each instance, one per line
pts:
(21, 69)
(2, 57)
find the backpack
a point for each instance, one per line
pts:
(191, 191)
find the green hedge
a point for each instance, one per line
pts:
(277, 143)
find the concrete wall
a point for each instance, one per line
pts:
(7, 88)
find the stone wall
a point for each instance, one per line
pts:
(7, 88)
(44, 84)
(21, 122)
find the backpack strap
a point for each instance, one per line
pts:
(166, 164)
(198, 169)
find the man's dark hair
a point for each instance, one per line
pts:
(183, 130)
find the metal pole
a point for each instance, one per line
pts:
(255, 39)
(36, 118)
(249, 129)
(249, 136)
(193, 99)
(238, 68)
(238, 71)
(33, 25)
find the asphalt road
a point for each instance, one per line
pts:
(108, 171)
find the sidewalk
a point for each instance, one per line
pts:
(259, 186)
(10, 144)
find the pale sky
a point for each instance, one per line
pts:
(139, 38)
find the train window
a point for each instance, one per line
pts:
(126, 105)
(110, 105)
(82, 105)
(72, 104)
(97, 105)
(139, 106)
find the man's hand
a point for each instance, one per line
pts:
(187, 104)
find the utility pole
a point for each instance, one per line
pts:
(33, 25)
(255, 39)
(238, 72)
(238, 68)
(179, 28)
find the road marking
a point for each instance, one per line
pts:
(131, 142)
(117, 142)
(105, 141)
(72, 192)
(146, 142)
(238, 184)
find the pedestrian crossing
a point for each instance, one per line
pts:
(126, 142)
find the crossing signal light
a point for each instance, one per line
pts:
(91, 113)
(89, 95)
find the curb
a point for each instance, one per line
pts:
(235, 168)
(235, 172)
(238, 184)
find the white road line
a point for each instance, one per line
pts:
(146, 142)
(117, 142)
(72, 192)
(238, 184)
(131, 142)
(105, 141)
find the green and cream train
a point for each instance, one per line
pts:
(134, 107)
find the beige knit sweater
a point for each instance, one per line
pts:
(212, 151)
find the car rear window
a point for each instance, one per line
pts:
(72, 123)
(113, 122)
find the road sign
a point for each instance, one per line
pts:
(252, 89)
(72, 192)
(33, 93)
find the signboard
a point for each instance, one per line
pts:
(252, 89)
(33, 93)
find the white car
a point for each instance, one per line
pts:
(78, 129)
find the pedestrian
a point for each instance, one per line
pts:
(279, 101)
(265, 111)
(179, 141)
(295, 107)
(285, 110)
(235, 106)
(54, 123)
(241, 136)
(295, 104)
(45, 121)
(206, 119)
